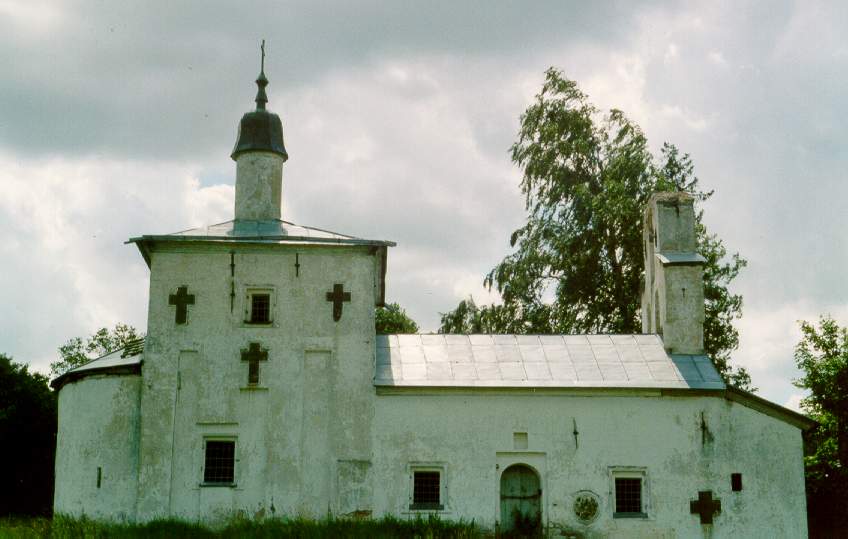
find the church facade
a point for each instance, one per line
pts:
(261, 389)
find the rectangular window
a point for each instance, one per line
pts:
(260, 302)
(428, 489)
(260, 308)
(629, 492)
(219, 462)
(736, 482)
(628, 495)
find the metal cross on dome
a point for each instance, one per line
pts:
(182, 299)
(337, 296)
(705, 506)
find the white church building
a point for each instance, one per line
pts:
(262, 390)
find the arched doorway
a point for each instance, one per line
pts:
(521, 501)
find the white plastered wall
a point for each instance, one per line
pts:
(473, 435)
(98, 428)
(314, 402)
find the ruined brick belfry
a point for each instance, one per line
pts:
(262, 390)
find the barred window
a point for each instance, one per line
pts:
(260, 308)
(628, 495)
(219, 462)
(427, 490)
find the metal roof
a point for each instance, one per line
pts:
(273, 231)
(270, 231)
(538, 361)
(122, 361)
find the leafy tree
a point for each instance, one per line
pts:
(578, 261)
(822, 354)
(28, 434)
(393, 319)
(75, 352)
(467, 317)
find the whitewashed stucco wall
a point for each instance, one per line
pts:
(316, 436)
(320, 439)
(98, 428)
(473, 434)
(315, 399)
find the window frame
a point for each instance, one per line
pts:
(630, 472)
(441, 469)
(259, 290)
(206, 440)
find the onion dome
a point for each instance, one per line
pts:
(260, 130)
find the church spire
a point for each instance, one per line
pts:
(262, 82)
(260, 130)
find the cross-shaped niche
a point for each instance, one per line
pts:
(338, 296)
(182, 299)
(705, 506)
(253, 355)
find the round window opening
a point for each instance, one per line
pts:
(586, 507)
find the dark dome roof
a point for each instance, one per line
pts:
(260, 130)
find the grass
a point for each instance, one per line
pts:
(62, 527)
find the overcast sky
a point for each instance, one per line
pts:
(117, 120)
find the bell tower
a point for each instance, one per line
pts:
(673, 296)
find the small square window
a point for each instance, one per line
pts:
(259, 306)
(219, 462)
(628, 495)
(428, 489)
(629, 492)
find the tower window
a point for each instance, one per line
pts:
(259, 306)
(219, 462)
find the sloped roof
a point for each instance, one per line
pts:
(125, 360)
(274, 231)
(270, 231)
(538, 361)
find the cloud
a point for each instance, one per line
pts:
(794, 402)
(768, 337)
(675, 113)
(118, 121)
(717, 58)
(129, 80)
(67, 271)
(671, 53)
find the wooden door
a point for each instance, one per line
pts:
(521, 500)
